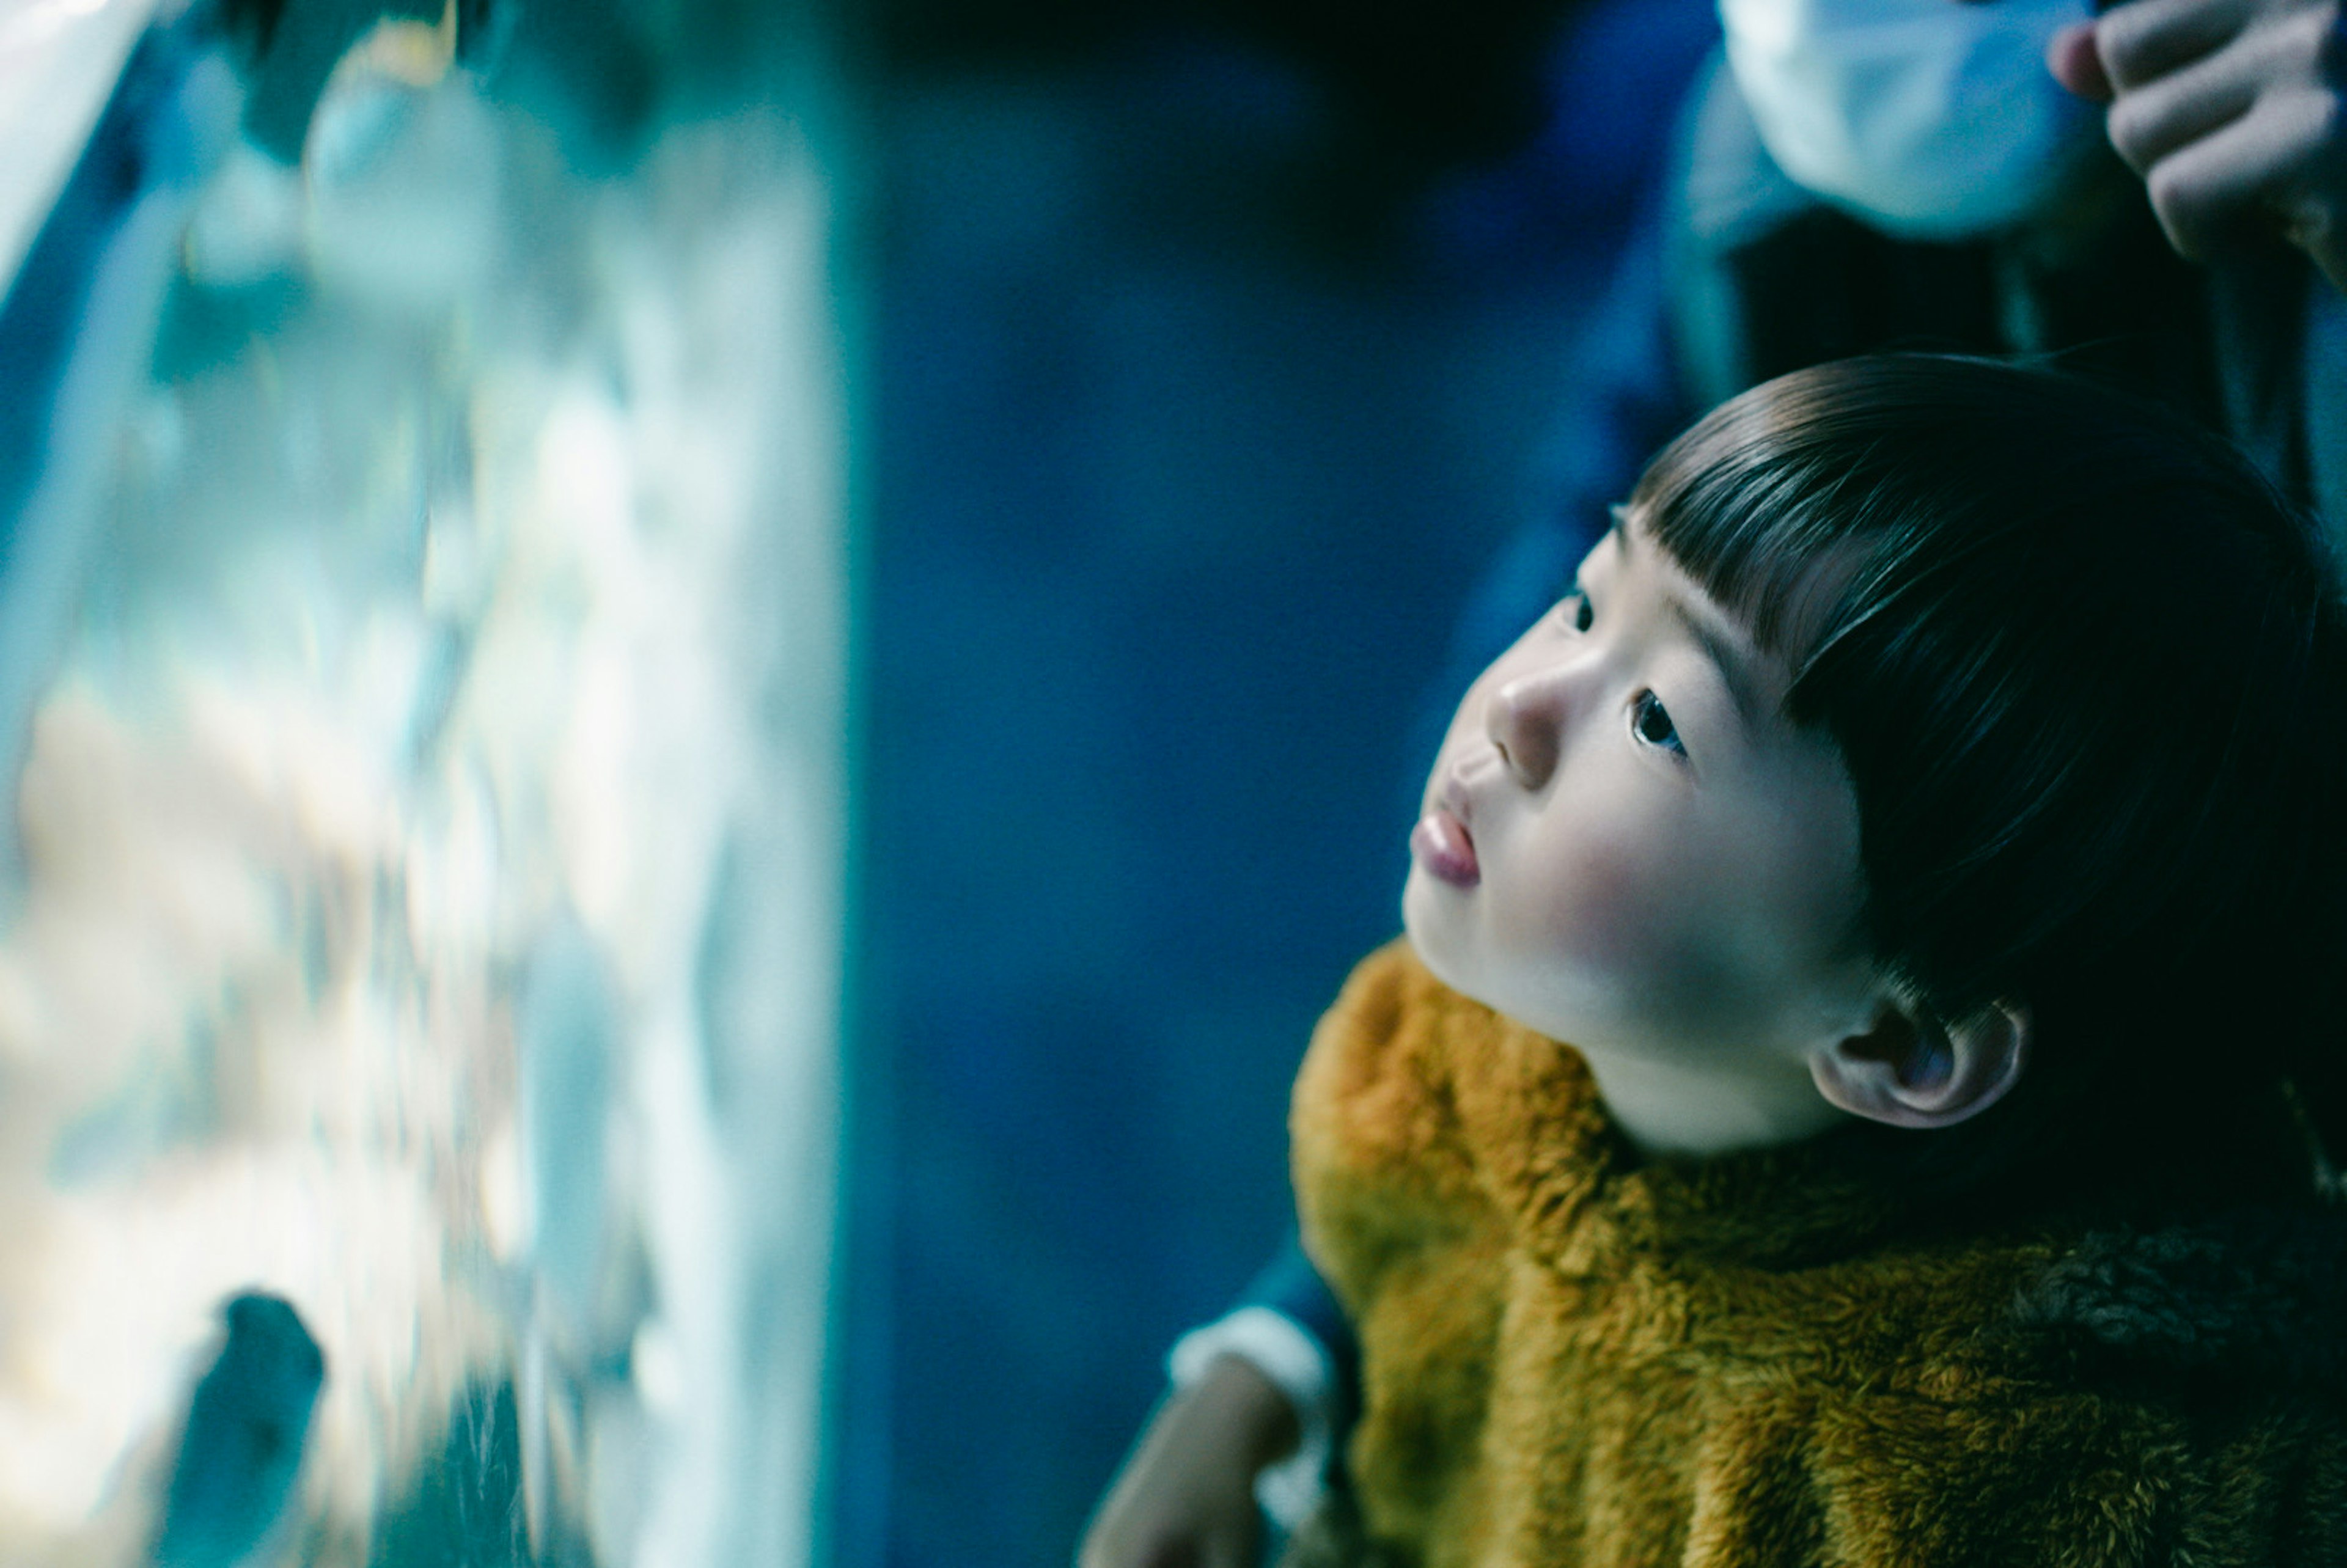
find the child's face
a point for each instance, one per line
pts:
(1626, 845)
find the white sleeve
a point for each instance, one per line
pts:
(1298, 1364)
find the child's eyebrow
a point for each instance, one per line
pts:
(1723, 654)
(1727, 658)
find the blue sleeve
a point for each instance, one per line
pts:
(1289, 1285)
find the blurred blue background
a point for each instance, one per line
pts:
(1204, 353)
(1210, 359)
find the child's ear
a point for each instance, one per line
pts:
(1912, 1070)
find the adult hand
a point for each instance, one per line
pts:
(2231, 110)
(1185, 1497)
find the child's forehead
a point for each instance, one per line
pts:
(1630, 540)
(1781, 587)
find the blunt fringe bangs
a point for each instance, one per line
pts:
(2087, 671)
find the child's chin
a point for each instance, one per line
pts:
(1431, 927)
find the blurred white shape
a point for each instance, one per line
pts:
(402, 191)
(247, 223)
(256, 214)
(58, 60)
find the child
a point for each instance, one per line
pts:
(1925, 817)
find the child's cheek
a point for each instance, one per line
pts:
(1598, 912)
(1631, 918)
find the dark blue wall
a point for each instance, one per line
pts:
(1181, 460)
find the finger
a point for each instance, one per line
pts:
(2308, 194)
(2071, 55)
(2154, 121)
(2261, 164)
(2146, 39)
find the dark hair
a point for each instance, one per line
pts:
(2086, 669)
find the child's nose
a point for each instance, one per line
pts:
(1526, 720)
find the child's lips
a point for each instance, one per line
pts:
(1441, 844)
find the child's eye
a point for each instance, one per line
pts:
(1650, 723)
(1575, 609)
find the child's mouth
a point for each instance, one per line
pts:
(1440, 843)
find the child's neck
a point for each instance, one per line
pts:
(1669, 1109)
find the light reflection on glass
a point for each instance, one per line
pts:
(429, 829)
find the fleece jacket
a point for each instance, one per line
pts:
(1574, 1356)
